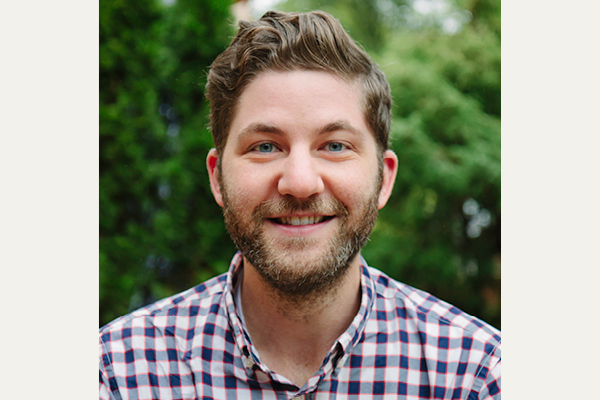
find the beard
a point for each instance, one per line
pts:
(286, 264)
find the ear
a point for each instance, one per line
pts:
(211, 166)
(390, 168)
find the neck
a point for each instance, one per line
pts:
(293, 335)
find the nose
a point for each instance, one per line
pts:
(300, 176)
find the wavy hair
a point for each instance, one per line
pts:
(294, 41)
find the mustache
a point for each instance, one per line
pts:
(289, 204)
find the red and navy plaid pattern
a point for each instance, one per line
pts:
(403, 343)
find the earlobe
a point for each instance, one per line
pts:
(390, 168)
(213, 175)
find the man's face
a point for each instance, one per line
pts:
(300, 183)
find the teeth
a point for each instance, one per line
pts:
(300, 220)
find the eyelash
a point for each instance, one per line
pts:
(274, 147)
(344, 147)
(257, 147)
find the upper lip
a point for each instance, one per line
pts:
(301, 219)
(300, 215)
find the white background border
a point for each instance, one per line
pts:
(49, 193)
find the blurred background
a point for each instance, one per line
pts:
(161, 231)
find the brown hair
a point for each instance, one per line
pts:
(292, 41)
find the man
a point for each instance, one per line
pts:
(300, 119)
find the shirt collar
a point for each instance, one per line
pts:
(240, 335)
(356, 329)
(341, 349)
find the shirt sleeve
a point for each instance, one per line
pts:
(104, 388)
(491, 388)
(105, 392)
(487, 384)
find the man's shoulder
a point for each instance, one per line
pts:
(191, 303)
(429, 312)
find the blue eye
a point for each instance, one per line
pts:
(335, 146)
(265, 147)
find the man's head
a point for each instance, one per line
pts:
(282, 42)
(298, 169)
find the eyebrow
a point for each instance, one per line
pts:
(339, 125)
(260, 127)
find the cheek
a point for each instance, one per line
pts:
(353, 186)
(245, 190)
(256, 181)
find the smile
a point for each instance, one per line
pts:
(308, 220)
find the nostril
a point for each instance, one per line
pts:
(300, 183)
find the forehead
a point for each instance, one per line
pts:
(299, 100)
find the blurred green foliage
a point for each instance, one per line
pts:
(160, 229)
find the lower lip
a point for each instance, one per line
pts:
(299, 230)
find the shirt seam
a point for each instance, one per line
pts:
(120, 322)
(478, 381)
(475, 333)
(106, 367)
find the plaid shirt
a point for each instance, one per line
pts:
(403, 343)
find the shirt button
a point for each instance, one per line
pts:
(249, 363)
